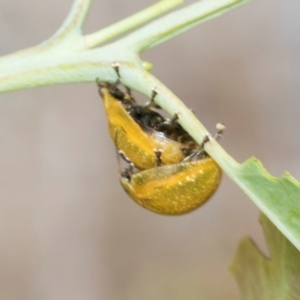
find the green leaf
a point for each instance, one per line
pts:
(277, 198)
(263, 278)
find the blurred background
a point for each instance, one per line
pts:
(68, 230)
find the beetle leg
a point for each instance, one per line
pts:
(205, 140)
(101, 85)
(126, 175)
(220, 129)
(129, 170)
(128, 95)
(120, 153)
(115, 91)
(116, 67)
(186, 150)
(151, 102)
(158, 153)
(189, 157)
(173, 120)
(126, 159)
(200, 151)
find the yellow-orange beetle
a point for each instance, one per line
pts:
(173, 189)
(130, 130)
(167, 184)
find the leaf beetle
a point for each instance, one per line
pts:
(173, 189)
(145, 136)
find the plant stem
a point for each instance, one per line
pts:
(65, 58)
(76, 18)
(103, 35)
(177, 22)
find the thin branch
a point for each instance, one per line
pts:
(67, 38)
(177, 22)
(75, 20)
(65, 58)
(94, 39)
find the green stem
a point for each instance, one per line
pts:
(177, 22)
(75, 19)
(65, 58)
(94, 39)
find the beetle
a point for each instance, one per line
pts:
(173, 189)
(144, 135)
